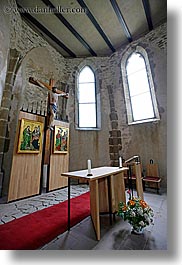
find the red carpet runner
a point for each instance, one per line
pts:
(35, 230)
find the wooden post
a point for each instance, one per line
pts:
(47, 147)
(139, 185)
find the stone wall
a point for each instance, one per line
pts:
(89, 144)
(115, 137)
(4, 46)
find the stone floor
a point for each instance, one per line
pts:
(117, 236)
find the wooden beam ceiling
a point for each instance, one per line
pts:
(100, 30)
(69, 26)
(40, 27)
(121, 19)
(95, 23)
(146, 6)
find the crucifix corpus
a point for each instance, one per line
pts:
(53, 95)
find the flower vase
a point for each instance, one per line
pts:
(138, 230)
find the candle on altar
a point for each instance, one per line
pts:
(89, 166)
(120, 162)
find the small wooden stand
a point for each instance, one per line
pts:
(139, 186)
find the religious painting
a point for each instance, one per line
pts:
(30, 137)
(61, 139)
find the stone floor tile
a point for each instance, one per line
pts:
(85, 228)
(136, 242)
(82, 242)
(6, 219)
(70, 241)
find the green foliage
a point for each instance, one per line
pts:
(138, 213)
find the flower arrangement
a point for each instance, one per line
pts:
(138, 213)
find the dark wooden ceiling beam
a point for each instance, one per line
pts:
(33, 21)
(97, 26)
(70, 27)
(121, 19)
(146, 6)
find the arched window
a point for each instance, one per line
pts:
(139, 88)
(86, 93)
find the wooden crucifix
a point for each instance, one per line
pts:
(53, 94)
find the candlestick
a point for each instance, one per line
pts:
(89, 168)
(120, 162)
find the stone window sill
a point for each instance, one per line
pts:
(156, 120)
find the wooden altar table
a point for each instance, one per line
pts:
(107, 189)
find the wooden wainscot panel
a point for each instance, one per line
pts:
(26, 167)
(59, 158)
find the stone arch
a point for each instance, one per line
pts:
(139, 49)
(13, 66)
(16, 83)
(93, 66)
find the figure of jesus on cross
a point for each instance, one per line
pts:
(54, 92)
